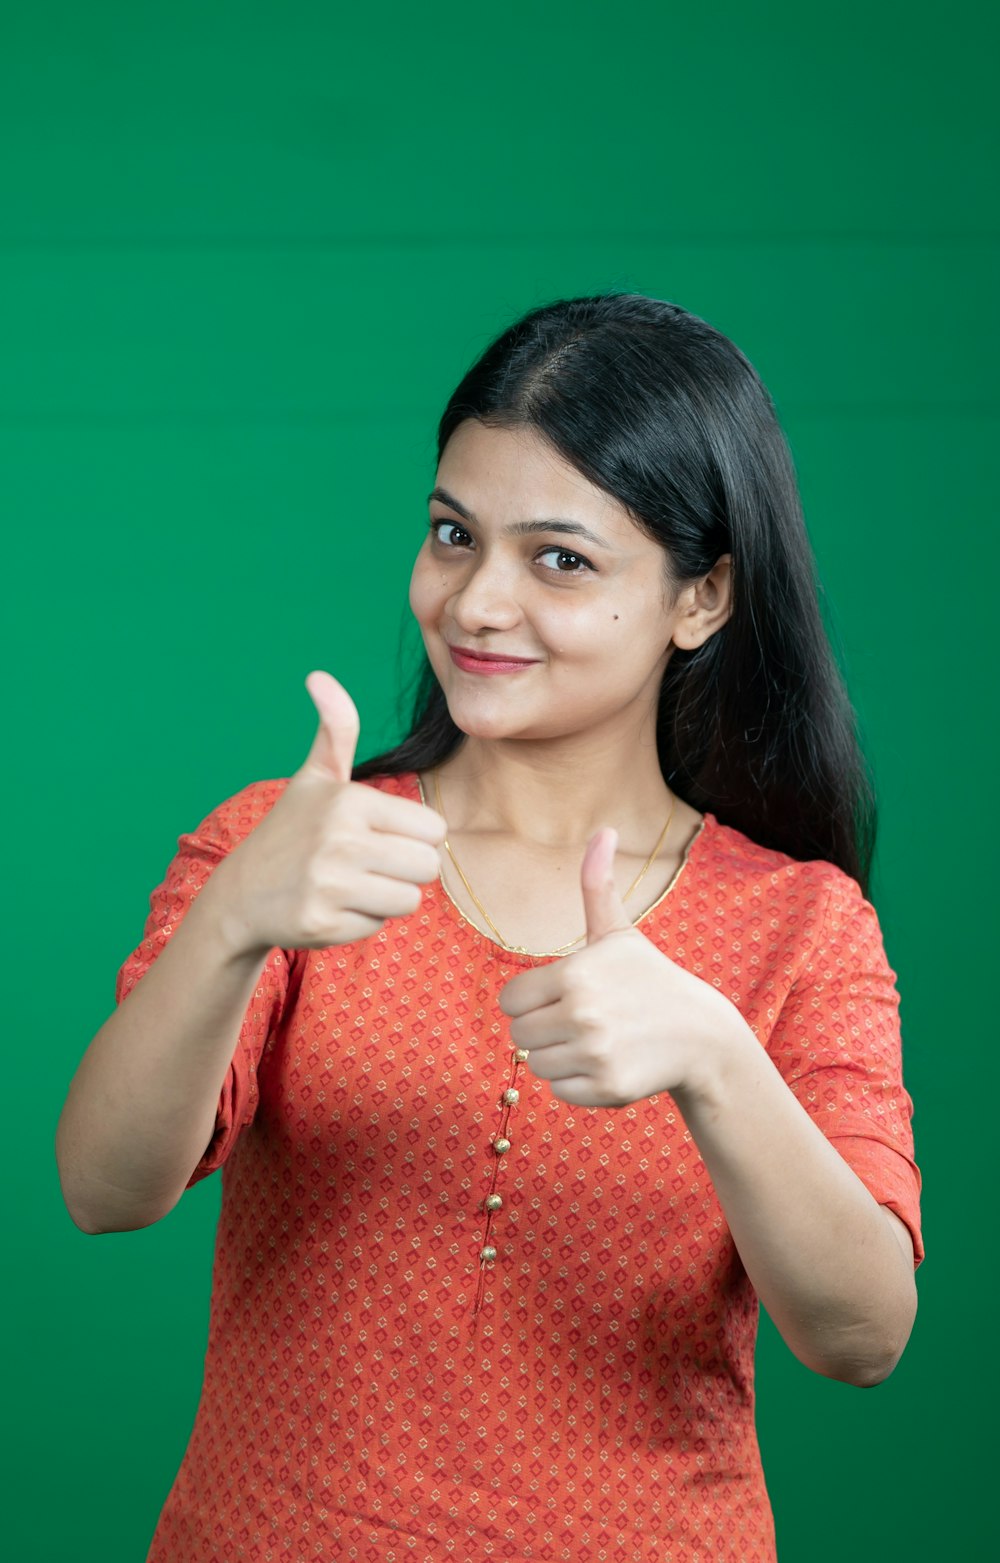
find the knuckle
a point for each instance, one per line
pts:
(313, 926)
(430, 863)
(585, 986)
(586, 1015)
(322, 912)
(341, 844)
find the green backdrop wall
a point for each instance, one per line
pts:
(245, 252)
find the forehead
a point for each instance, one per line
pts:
(505, 475)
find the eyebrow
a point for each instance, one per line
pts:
(523, 528)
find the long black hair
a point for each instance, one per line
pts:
(665, 414)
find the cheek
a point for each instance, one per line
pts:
(575, 629)
(425, 590)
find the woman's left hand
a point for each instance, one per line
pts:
(618, 1020)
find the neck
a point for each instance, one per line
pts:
(553, 794)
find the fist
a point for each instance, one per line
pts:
(334, 859)
(618, 1020)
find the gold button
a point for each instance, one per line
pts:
(521, 1054)
(511, 1097)
(501, 1146)
(488, 1255)
(493, 1202)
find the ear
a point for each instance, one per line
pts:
(704, 606)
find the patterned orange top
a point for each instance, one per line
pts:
(375, 1388)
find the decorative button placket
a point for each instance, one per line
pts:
(501, 1145)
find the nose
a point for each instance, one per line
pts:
(486, 600)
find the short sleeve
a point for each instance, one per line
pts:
(198, 854)
(837, 1044)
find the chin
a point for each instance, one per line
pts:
(496, 725)
(477, 718)
(475, 725)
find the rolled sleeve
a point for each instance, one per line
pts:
(198, 855)
(838, 1045)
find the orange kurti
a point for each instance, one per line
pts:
(374, 1389)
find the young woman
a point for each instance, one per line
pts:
(539, 1048)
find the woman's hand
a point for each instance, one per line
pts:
(618, 1020)
(333, 859)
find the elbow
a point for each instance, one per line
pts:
(97, 1208)
(82, 1219)
(100, 1226)
(871, 1358)
(98, 1205)
(866, 1373)
(95, 1222)
(85, 1225)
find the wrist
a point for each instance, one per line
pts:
(727, 1056)
(219, 916)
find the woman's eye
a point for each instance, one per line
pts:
(450, 535)
(564, 553)
(453, 524)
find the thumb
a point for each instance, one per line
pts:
(603, 906)
(332, 752)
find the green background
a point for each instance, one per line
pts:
(246, 251)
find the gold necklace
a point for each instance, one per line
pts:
(519, 949)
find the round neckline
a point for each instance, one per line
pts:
(529, 957)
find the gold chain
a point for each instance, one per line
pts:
(519, 949)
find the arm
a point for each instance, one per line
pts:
(620, 1021)
(141, 1108)
(833, 1268)
(328, 863)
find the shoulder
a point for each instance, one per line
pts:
(404, 784)
(235, 817)
(814, 896)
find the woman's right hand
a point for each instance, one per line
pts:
(333, 860)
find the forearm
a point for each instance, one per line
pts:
(141, 1107)
(820, 1252)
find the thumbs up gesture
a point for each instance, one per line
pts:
(618, 1020)
(336, 741)
(333, 859)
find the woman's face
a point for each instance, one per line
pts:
(525, 557)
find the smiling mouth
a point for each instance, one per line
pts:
(488, 656)
(471, 662)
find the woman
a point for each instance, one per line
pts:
(509, 1159)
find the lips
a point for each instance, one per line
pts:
(474, 655)
(485, 663)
